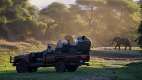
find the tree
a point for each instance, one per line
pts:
(65, 19)
(89, 6)
(18, 19)
(114, 17)
(140, 30)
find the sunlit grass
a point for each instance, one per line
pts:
(98, 68)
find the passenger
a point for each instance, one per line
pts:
(59, 46)
(79, 39)
(71, 45)
(50, 49)
(66, 44)
(83, 44)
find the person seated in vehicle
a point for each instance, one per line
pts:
(59, 46)
(71, 44)
(49, 50)
(83, 44)
(66, 44)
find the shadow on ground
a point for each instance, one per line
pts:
(132, 71)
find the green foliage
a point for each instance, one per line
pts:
(140, 35)
(140, 30)
(114, 17)
(90, 3)
(62, 20)
(18, 18)
(3, 20)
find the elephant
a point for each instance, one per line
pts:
(120, 41)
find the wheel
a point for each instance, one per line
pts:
(71, 68)
(22, 67)
(32, 69)
(60, 67)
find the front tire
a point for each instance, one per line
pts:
(21, 67)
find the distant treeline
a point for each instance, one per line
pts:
(101, 20)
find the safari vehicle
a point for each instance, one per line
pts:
(62, 61)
